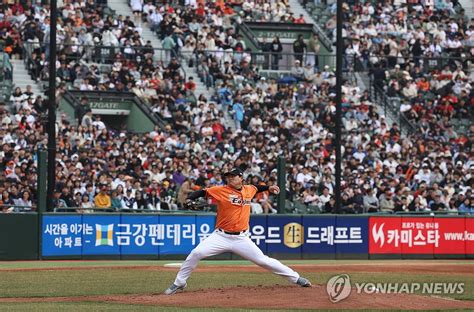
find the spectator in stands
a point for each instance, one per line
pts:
(466, 208)
(24, 202)
(437, 204)
(137, 7)
(276, 49)
(116, 200)
(238, 113)
(295, 119)
(140, 201)
(299, 48)
(371, 202)
(297, 71)
(186, 188)
(82, 108)
(386, 201)
(102, 200)
(312, 51)
(153, 200)
(85, 205)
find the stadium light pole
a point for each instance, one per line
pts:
(51, 126)
(339, 51)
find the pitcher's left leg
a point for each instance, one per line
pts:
(247, 249)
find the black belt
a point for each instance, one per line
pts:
(232, 233)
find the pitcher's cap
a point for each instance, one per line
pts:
(234, 172)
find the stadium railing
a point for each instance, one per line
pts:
(427, 62)
(431, 213)
(102, 54)
(246, 27)
(296, 208)
(206, 209)
(391, 107)
(293, 208)
(268, 61)
(320, 13)
(17, 209)
(6, 76)
(74, 96)
(107, 55)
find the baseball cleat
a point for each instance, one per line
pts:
(174, 289)
(303, 282)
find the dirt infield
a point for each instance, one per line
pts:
(270, 297)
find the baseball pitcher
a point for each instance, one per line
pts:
(232, 230)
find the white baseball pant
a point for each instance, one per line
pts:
(219, 242)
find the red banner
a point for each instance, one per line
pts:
(381, 239)
(430, 235)
(469, 236)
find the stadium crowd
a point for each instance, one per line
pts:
(383, 170)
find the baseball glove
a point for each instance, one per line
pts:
(193, 204)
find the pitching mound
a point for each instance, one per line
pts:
(270, 297)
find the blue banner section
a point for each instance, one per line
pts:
(285, 234)
(319, 234)
(62, 236)
(204, 227)
(99, 235)
(180, 234)
(351, 235)
(127, 234)
(139, 235)
(258, 231)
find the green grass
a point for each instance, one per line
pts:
(48, 283)
(98, 306)
(115, 281)
(95, 263)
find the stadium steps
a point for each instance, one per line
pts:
(21, 77)
(468, 6)
(121, 7)
(363, 80)
(297, 9)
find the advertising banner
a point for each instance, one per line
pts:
(300, 236)
(285, 234)
(99, 235)
(331, 235)
(319, 234)
(259, 231)
(62, 236)
(139, 235)
(469, 234)
(418, 235)
(77, 235)
(452, 232)
(351, 235)
(179, 234)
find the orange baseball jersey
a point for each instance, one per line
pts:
(233, 206)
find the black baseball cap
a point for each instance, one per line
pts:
(234, 172)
